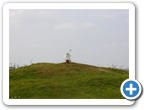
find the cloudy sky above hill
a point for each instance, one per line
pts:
(96, 37)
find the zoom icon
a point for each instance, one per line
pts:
(131, 89)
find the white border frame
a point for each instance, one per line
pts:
(8, 6)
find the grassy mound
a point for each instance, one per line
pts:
(65, 81)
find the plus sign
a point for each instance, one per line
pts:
(131, 89)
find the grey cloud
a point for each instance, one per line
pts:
(95, 36)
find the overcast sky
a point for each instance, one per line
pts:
(96, 37)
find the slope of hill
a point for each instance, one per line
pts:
(65, 81)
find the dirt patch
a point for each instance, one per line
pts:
(42, 72)
(103, 70)
(12, 91)
(52, 85)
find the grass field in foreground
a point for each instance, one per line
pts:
(65, 81)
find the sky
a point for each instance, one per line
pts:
(97, 37)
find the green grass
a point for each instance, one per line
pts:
(65, 81)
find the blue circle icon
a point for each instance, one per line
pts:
(130, 89)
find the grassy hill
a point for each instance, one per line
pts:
(65, 81)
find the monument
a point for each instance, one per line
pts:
(67, 57)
